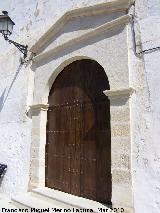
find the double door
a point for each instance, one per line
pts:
(78, 137)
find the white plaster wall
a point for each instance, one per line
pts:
(145, 78)
(14, 125)
(32, 18)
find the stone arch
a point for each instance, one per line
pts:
(59, 69)
(119, 108)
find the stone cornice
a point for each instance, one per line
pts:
(37, 107)
(91, 34)
(107, 7)
(124, 92)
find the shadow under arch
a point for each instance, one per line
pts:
(78, 84)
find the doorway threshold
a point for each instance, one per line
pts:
(70, 200)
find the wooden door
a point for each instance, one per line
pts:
(78, 149)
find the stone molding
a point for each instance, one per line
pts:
(39, 107)
(124, 92)
(107, 7)
(91, 34)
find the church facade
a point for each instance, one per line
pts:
(81, 115)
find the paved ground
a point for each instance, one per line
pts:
(5, 202)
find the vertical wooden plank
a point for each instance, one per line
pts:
(103, 163)
(89, 153)
(75, 168)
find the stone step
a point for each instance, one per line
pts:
(47, 195)
(69, 200)
(27, 201)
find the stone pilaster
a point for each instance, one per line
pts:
(121, 148)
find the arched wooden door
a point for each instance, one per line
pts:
(78, 149)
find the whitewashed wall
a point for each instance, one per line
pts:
(145, 78)
(33, 18)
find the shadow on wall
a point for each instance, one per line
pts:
(2, 177)
(4, 97)
(80, 24)
(78, 45)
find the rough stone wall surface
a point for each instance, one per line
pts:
(33, 18)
